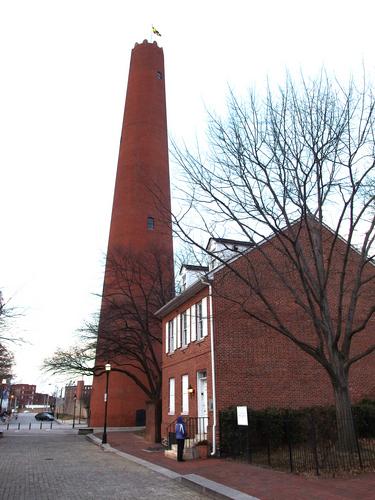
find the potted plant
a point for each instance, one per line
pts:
(202, 448)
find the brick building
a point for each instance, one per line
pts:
(216, 355)
(22, 395)
(76, 400)
(25, 394)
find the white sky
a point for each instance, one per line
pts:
(63, 74)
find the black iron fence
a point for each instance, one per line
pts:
(196, 428)
(300, 442)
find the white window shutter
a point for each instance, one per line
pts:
(178, 333)
(205, 317)
(174, 333)
(193, 324)
(166, 337)
(188, 314)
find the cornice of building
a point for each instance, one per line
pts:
(187, 294)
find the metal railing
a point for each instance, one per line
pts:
(196, 428)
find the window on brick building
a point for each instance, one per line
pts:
(184, 329)
(171, 408)
(185, 394)
(199, 320)
(150, 223)
(170, 336)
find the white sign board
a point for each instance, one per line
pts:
(242, 415)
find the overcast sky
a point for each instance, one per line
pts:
(64, 67)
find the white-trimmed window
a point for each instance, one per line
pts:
(184, 328)
(193, 333)
(185, 394)
(171, 339)
(171, 408)
(199, 320)
(177, 329)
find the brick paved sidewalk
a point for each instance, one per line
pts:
(263, 483)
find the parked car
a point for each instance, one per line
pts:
(44, 415)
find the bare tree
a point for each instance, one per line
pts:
(6, 362)
(280, 170)
(127, 333)
(78, 359)
(7, 314)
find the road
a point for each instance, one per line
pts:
(48, 466)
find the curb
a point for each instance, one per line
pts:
(194, 481)
(214, 489)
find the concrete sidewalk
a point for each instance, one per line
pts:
(225, 478)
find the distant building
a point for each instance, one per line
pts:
(23, 394)
(43, 399)
(76, 400)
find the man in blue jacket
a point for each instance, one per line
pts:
(180, 438)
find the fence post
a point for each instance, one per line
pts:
(220, 431)
(249, 455)
(286, 424)
(315, 444)
(357, 443)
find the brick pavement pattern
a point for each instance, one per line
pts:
(263, 483)
(51, 466)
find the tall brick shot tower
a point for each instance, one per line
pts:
(139, 266)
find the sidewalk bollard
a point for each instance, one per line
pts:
(30, 426)
(19, 426)
(41, 423)
(51, 425)
(8, 426)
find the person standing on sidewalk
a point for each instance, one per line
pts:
(180, 438)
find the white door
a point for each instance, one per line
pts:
(202, 402)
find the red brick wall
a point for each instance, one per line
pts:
(185, 361)
(260, 368)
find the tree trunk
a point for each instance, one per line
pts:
(344, 417)
(153, 421)
(158, 421)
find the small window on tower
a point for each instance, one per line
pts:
(159, 75)
(150, 223)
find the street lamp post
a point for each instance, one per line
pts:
(107, 370)
(74, 410)
(3, 382)
(10, 403)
